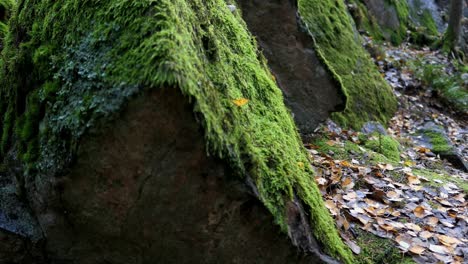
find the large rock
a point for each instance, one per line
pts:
(117, 166)
(385, 14)
(144, 191)
(309, 88)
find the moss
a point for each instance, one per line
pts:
(386, 146)
(6, 8)
(438, 141)
(80, 61)
(365, 21)
(402, 11)
(442, 177)
(378, 250)
(369, 96)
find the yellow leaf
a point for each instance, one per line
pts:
(345, 163)
(240, 101)
(300, 164)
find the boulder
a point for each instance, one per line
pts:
(155, 132)
(435, 138)
(144, 191)
(310, 89)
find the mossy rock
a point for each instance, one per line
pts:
(339, 46)
(71, 67)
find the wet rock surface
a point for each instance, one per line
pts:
(385, 14)
(309, 88)
(143, 190)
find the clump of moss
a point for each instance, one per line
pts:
(450, 87)
(438, 141)
(386, 146)
(379, 250)
(369, 96)
(78, 62)
(440, 179)
(6, 8)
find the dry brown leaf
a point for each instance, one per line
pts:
(348, 183)
(413, 227)
(332, 207)
(419, 212)
(448, 241)
(460, 197)
(417, 249)
(403, 242)
(438, 249)
(345, 163)
(392, 194)
(350, 196)
(412, 179)
(423, 150)
(432, 221)
(425, 234)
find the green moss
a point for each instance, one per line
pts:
(369, 96)
(386, 146)
(378, 250)
(450, 86)
(6, 8)
(442, 177)
(81, 61)
(365, 21)
(438, 141)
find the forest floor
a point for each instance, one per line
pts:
(398, 194)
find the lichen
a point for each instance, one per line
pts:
(369, 96)
(71, 64)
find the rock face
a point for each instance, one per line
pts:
(386, 14)
(435, 138)
(144, 191)
(309, 88)
(114, 168)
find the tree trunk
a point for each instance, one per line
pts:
(452, 35)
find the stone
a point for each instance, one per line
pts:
(435, 138)
(309, 89)
(373, 127)
(143, 191)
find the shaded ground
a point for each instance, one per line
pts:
(396, 194)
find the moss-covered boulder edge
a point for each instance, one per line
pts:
(68, 65)
(339, 46)
(412, 18)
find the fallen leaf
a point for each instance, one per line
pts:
(412, 179)
(432, 221)
(240, 102)
(413, 227)
(447, 240)
(321, 181)
(438, 249)
(417, 249)
(425, 234)
(348, 183)
(419, 212)
(332, 207)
